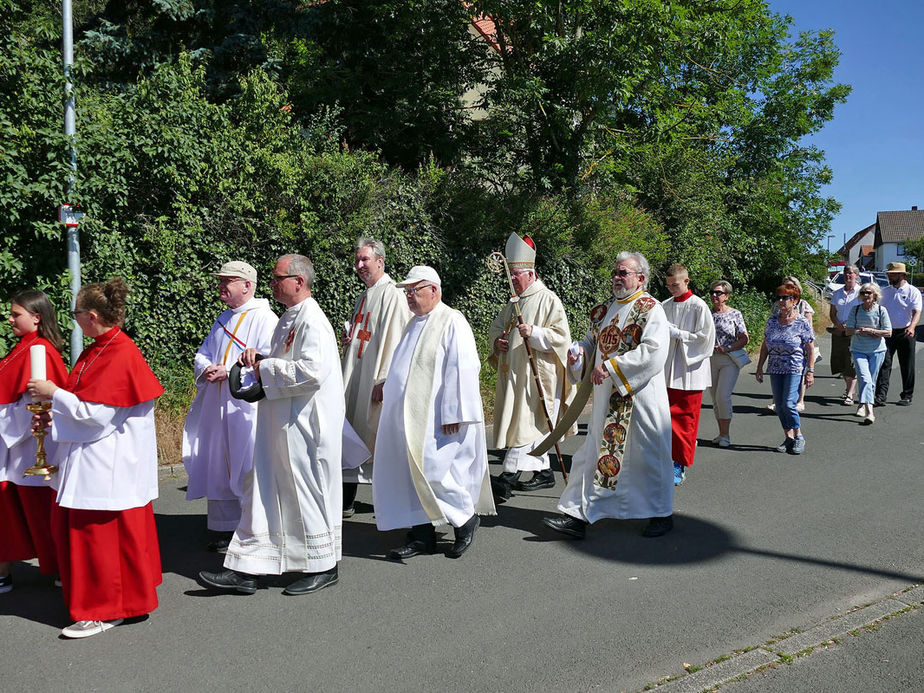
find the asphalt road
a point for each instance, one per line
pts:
(765, 545)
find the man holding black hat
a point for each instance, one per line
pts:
(902, 302)
(219, 431)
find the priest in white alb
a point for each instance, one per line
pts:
(519, 410)
(432, 460)
(379, 316)
(687, 370)
(291, 520)
(219, 431)
(623, 470)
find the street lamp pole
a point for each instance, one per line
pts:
(70, 130)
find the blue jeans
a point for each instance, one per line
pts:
(867, 367)
(785, 388)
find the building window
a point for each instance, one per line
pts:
(900, 249)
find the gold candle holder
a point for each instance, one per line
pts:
(40, 468)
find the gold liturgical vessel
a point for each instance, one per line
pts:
(40, 468)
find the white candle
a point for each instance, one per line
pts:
(37, 358)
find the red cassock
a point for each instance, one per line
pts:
(25, 511)
(110, 559)
(685, 408)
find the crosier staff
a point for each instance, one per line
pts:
(497, 262)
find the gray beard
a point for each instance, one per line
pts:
(623, 293)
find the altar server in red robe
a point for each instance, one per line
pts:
(103, 423)
(25, 501)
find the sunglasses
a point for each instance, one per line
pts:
(718, 293)
(867, 293)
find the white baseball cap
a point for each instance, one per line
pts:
(421, 273)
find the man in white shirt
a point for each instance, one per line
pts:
(841, 302)
(902, 301)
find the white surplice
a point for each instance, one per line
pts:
(454, 466)
(646, 487)
(219, 432)
(692, 340)
(291, 519)
(17, 445)
(106, 455)
(379, 317)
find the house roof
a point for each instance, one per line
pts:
(903, 225)
(855, 238)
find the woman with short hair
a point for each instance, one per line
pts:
(868, 325)
(789, 345)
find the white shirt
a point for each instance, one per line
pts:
(901, 302)
(844, 301)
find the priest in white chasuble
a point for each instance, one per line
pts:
(687, 370)
(623, 470)
(219, 432)
(519, 409)
(379, 316)
(291, 520)
(432, 460)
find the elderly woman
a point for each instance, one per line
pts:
(103, 423)
(805, 310)
(868, 325)
(789, 344)
(730, 334)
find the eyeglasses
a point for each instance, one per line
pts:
(411, 290)
(624, 273)
(276, 278)
(785, 298)
(867, 293)
(718, 293)
(225, 281)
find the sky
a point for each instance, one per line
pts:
(875, 143)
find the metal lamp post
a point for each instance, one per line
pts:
(66, 214)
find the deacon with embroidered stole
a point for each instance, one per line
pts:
(623, 470)
(519, 420)
(219, 432)
(687, 369)
(291, 520)
(379, 316)
(432, 460)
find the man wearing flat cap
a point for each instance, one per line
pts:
(902, 302)
(219, 432)
(431, 458)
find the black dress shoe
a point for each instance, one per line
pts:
(421, 539)
(503, 484)
(349, 498)
(229, 580)
(464, 536)
(658, 526)
(879, 403)
(313, 582)
(566, 524)
(904, 402)
(540, 480)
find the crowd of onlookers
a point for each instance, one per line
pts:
(869, 326)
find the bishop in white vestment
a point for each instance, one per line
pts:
(432, 464)
(519, 410)
(219, 432)
(379, 316)
(687, 370)
(291, 520)
(623, 470)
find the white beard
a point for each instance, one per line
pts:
(623, 292)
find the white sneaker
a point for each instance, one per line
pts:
(861, 410)
(84, 629)
(772, 406)
(715, 441)
(724, 442)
